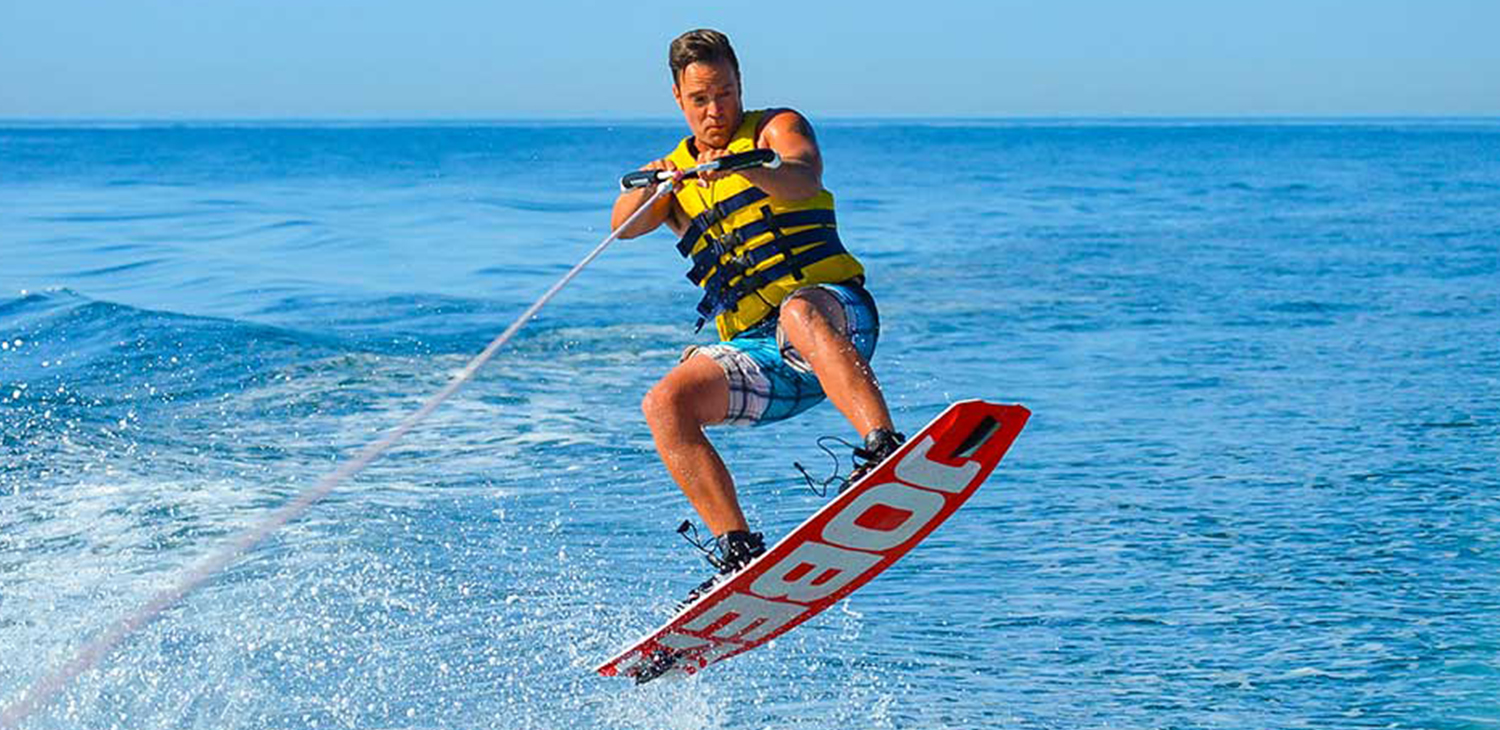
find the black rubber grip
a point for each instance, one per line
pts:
(746, 160)
(728, 163)
(638, 179)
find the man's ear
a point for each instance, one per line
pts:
(676, 94)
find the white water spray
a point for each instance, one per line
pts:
(90, 654)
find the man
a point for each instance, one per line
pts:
(788, 300)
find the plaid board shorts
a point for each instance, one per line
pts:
(768, 379)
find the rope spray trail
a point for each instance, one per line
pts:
(88, 656)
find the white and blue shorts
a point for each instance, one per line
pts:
(768, 379)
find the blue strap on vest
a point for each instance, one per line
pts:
(718, 296)
(737, 266)
(714, 266)
(715, 213)
(707, 259)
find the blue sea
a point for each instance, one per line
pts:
(1259, 490)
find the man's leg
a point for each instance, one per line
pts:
(693, 395)
(813, 321)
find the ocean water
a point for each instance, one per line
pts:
(1259, 490)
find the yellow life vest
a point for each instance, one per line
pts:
(750, 250)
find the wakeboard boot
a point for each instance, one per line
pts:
(729, 553)
(879, 444)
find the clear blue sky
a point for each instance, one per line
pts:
(498, 59)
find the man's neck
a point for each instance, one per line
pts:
(699, 145)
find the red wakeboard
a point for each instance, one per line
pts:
(841, 547)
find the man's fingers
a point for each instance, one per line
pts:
(662, 164)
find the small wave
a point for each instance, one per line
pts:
(115, 217)
(522, 270)
(117, 269)
(541, 206)
(1463, 423)
(279, 226)
(108, 348)
(39, 300)
(138, 183)
(118, 247)
(1306, 673)
(1067, 191)
(863, 204)
(1310, 307)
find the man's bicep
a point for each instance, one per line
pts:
(790, 134)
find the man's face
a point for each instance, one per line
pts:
(709, 94)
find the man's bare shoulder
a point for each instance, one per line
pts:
(780, 122)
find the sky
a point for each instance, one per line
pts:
(468, 59)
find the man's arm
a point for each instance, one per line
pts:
(801, 172)
(631, 200)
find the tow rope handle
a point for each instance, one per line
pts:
(729, 163)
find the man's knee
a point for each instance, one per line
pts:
(686, 395)
(663, 402)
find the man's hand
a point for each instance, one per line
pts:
(631, 200)
(800, 175)
(665, 164)
(706, 177)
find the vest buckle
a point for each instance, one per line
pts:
(732, 240)
(713, 243)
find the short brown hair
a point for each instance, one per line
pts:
(700, 46)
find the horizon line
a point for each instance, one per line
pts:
(457, 120)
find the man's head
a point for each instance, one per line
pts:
(706, 85)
